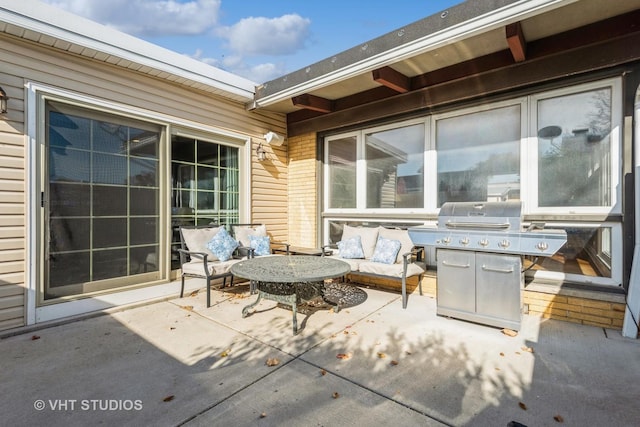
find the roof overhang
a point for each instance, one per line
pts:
(49, 26)
(392, 63)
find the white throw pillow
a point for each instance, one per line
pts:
(197, 239)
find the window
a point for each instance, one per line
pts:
(205, 185)
(395, 167)
(556, 151)
(574, 149)
(379, 169)
(479, 156)
(341, 163)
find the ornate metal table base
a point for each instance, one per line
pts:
(290, 294)
(337, 295)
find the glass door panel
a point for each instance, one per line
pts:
(101, 221)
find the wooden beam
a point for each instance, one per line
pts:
(516, 41)
(391, 78)
(602, 56)
(313, 102)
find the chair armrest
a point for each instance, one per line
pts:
(185, 256)
(416, 254)
(285, 246)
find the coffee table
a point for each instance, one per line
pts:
(289, 279)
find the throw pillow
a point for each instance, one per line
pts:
(261, 245)
(242, 233)
(222, 245)
(368, 236)
(400, 235)
(350, 248)
(386, 251)
(196, 240)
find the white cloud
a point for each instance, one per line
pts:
(267, 36)
(256, 37)
(236, 64)
(148, 17)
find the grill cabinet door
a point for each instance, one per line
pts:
(498, 286)
(456, 281)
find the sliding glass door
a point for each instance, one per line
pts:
(100, 201)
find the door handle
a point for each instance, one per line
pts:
(449, 264)
(497, 270)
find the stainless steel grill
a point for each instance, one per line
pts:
(479, 249)
(488, 227)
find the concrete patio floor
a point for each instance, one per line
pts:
(177, 362)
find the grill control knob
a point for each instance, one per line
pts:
(464, 241)
(446, 240)
(484, 243)
(504, 244)
(542, 246)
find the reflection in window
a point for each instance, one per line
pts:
(574, 134)
(395, 167)
(342, 172)
(205, 178)
(479, 156)
(586, 253)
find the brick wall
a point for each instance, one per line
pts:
(587, 311)
(303, 191)
(606, 311)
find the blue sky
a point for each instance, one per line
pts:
(257, 39)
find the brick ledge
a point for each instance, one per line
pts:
(608, 295)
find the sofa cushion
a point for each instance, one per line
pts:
(354, 263)
(196, 240)
(222, 245)
(242, 233)
(215, 268)
(386, 250)
(368, 237)
(392, 270)
(400, 235)
(350, 248)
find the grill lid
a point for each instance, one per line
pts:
(481, 215)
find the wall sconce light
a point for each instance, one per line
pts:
(273, 138)
(3, 101)
(260, 153)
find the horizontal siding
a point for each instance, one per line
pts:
(25, 62)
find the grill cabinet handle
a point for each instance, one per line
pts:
(497, 270)
(450, 264)
(479, 225)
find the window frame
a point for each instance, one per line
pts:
(615, 207)
(582, 216)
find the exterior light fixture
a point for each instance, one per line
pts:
(3, 101)
(260, 153)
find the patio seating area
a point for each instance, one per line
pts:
(177, 362)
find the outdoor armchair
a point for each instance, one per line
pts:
(208, 252)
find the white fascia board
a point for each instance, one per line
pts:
(480, 24)
(39, 17)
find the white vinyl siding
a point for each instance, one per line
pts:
(26, 63)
